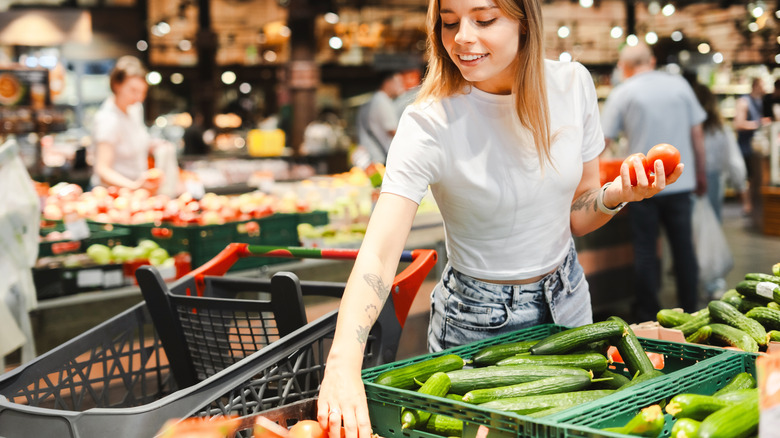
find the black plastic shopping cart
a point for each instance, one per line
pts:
(193, 349)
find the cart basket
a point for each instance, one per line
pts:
(115, 379)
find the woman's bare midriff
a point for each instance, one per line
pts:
(523, 281)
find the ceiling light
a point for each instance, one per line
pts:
(586, 3)
(753, 26)
(653, 7)
(717, 57)
(269, 56)
(703, 48)
(563, 32)
(668, 10)
(757, 11)
(331, 18)
(677, 36)
(177, 78)
(245, 87)
(335, 43)
(185, 45)
(228, 77)
(141, 45)
(651, 38)
(565, 57)
(616, 32)
(153, 77)
(632, 40)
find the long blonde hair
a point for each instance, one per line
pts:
(443, 78)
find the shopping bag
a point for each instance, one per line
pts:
(712, 248)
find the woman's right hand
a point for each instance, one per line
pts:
(342, 401)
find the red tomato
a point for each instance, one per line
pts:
(667, 153)
(265, 428)
(307, 429)
(631, 170)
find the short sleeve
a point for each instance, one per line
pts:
(105, 128)
(416, 157)
(592, 134)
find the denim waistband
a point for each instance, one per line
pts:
(479, 290)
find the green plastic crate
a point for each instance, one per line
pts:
(705, 377)
(385, 403)
(99, 234)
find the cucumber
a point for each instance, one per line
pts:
(534, 403)
(727, 314)
(748, 303)
(699, 320)
(610, 380)
(757, 276)
(737, 421)
(700, 336)
(640, 378)
(762, 289)
(548, 385)
(601, 347)
(578, 337)
(769, 318)
(773, 305)
(685, 428)
(404, 376)
(776, 269)
(470, 379)
(723, 334)
(594, 362)
(548, 411)
(738, 396)
(672, 318)
(444, 426)
(649, 422)
(438, 384)
(773, 336)
(631, 350)
(743, 380)
(492, 354)
(696, 406)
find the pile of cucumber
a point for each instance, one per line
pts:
(731, 412)
(535, 378)
(746, 317)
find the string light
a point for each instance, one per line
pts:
(668, 10)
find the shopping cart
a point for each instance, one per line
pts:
(117, 379)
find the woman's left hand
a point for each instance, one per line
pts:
(646, 186)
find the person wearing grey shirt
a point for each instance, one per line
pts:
(650, 107)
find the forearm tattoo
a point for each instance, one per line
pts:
(586, 200)
(362, 336)
(372, 311)
(381, 289)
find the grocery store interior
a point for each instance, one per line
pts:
(256, 104)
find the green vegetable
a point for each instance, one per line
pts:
(578, 337)
(727, 314)
(672, 318)
(640, 378)
(757, 276)
(492, 354)
(534, 403)
(594, 362)
(700, 336)
(699, 320)
(444, 426)
(631, 350)
(737, 421)
(773, 336)
(696, 406)
(548, 385)
(469, 379)
(723, 334)
(685, 428)
(649, 422)
(611, 380)
(769, 318)
(438, 384)
(759, 289)
(742, 380)
(404, 376)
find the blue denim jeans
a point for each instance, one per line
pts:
(465, 310)
(646, 217)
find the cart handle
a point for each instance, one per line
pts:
(404, 288)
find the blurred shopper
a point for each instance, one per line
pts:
(194, 136)
(748, 118)
(121, 138)
(651, 107)
(509, 144)
(772, 103)
(377, 119)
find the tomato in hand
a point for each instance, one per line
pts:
(668, 154)
(630, 161)
(308, 429)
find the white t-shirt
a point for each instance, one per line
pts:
(376, 119)
(128, 136)
(504, 218)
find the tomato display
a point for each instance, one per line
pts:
(307, 429)
(631, 171)
(668, 154)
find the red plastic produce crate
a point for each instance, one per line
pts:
(116, 379)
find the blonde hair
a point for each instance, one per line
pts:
(443, 78)
(126, 67)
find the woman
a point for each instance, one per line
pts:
(123, 143)
(509, 144)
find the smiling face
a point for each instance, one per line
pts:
(482, 42)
